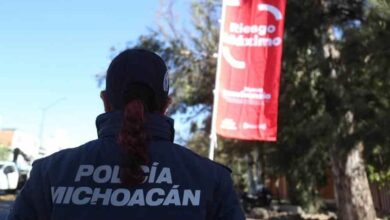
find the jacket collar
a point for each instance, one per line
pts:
(159, 126)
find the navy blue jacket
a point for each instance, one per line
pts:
(83, 182)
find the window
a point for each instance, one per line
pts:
(9, 169)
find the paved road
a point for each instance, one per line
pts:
(4, 209)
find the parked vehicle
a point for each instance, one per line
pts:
(9, 176)
(13, 175)
(261, 198)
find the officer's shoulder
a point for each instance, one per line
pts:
(203, 159)
(64, 154)
(223, 166)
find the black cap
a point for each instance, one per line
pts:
(134, 67)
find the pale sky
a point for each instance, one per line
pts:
(51, 50)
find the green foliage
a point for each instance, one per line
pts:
(333, 91)
(4, 152)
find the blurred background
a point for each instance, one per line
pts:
(51, 52)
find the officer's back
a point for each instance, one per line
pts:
(133, 170)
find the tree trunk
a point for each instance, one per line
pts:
(251, 176)
(353, 195)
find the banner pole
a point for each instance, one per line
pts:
(213, 133)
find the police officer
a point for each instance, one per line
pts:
(133, 170)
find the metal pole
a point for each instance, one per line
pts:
(213, 133)
(41, 150)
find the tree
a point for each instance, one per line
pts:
(370, 42)
(344, 93)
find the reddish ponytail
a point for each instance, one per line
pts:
(133, 140)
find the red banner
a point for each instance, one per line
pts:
(249, 66)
